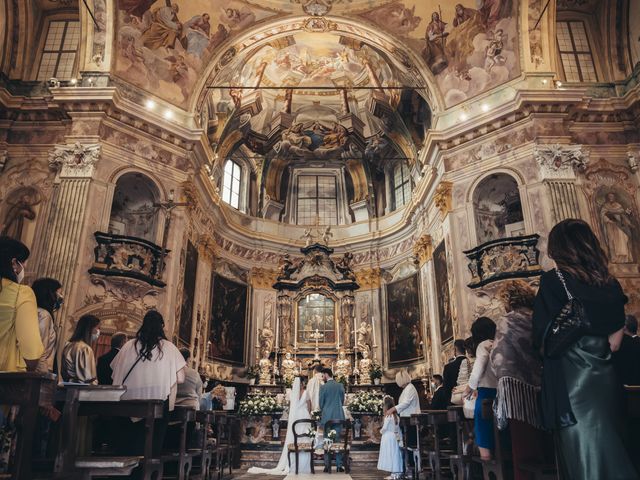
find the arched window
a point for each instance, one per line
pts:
(59, 50)
(401, 186)
(133, 211)
(575, 51)
(231, 183)
(497, 208)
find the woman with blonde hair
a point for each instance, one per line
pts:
(408, 403)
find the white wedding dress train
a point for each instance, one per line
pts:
(298, 410)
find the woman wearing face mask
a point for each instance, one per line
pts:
(49, 297)
(78, 360)
(20, 343)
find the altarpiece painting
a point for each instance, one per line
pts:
(442, 292)
(188, 294)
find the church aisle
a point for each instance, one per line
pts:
(359, 475)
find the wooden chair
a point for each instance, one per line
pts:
(306, 447)
(28, 391)
(344, 446)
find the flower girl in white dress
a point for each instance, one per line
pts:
(390, 458)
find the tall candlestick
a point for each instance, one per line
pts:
(373, 330)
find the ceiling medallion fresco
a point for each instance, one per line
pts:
(164, 46)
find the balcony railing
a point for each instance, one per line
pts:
(514, 257)
(132, 257)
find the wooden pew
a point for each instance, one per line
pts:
(501, 466)
(203, 454)
(28, 391)
(88, 401)
(183, 458)
(460, 461)
(431, 456)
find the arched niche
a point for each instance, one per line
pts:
(133, 211)
(497, 208)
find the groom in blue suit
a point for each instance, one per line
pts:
(331, 401)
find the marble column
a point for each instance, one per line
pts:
(75, 164)
(558, 166)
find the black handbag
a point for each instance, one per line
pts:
(568, 327)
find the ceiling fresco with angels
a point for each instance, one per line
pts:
(164, 46)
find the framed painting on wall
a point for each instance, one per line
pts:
(442, 293)
(228, 320)
(188, 294)
(403, 321)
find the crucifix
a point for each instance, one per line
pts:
(168, 207)
(316, 336)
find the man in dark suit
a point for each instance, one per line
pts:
(331, 402)
(103, 365)
(440, 400)
(627, 359)
(451, 369)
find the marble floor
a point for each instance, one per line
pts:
(355, 475)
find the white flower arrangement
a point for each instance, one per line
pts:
(316, 415)
(366, 402)
(258, 405)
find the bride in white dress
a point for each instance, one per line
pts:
(298, 410)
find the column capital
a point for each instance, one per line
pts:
(443, 197)
(75, 160)
(561, 161)
(423, 249)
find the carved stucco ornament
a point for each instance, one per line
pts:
(442, 198)
(75, 161)
(561, 161)
(423, 249)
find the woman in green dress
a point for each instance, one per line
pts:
(581, 399)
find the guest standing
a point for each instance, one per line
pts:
(518, 368)
(189, 391)
(103, 367)
(440, 400)
(20, 343)
(78, 359)
(408, 403)
(452, 369)
(48, 292)
(579, 389)
(467, 363)
(627, 359)
(483, 383)
(151, 367)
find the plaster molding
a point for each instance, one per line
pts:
(75, 161)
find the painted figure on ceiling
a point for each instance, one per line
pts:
(198, 31)
(165, 28)
(435, 43)
(396, 17)
(136, 8)
(467, 23)
(494, 51)
(494, 10)
(237, 19)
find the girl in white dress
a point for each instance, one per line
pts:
(390, 458)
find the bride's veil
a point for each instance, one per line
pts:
(294, 404)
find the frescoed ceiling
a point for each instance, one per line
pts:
(165, 46)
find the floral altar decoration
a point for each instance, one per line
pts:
(259, 405)
(366, 402)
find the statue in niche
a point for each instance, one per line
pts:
(265, 338)
(365, 368)
(347, 308)
(265, 368)
(18, 212)
(618, 229)
(364, 336)
(344, 266)
(284, 314)
(288, 368)
(343, 365)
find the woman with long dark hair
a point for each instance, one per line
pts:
(20, 344)
(48, 293)
(150, 366)
(580, 396)
(483, 383)
(78, 359)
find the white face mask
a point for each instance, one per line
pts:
(95, 335)
(20, 274)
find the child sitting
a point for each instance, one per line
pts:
(390, 459)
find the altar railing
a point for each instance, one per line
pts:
(131, 257)
(514, 257)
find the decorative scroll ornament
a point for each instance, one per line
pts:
(561, 160)
(442, 198)
(317, 8)
(75, 160)
(369, 278)
(263, 278)
(423, 249)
